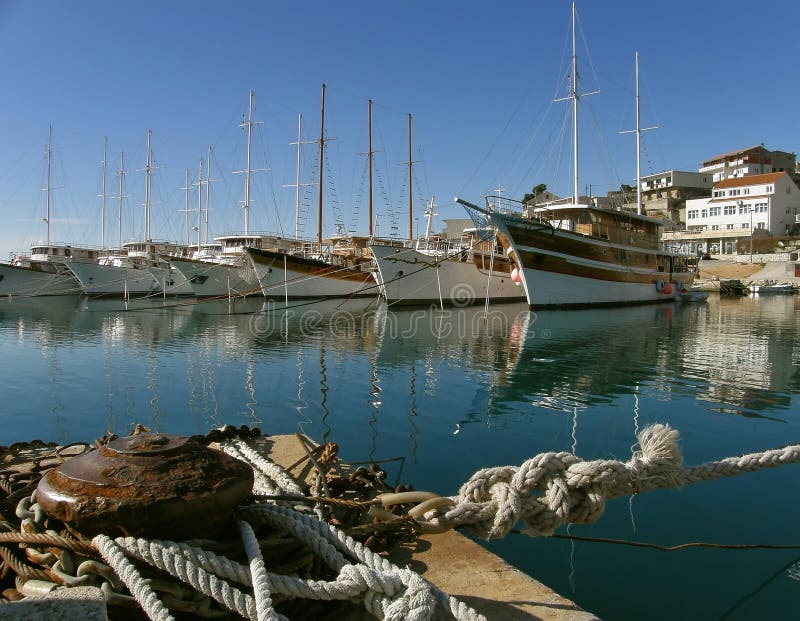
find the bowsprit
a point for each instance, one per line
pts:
(154, 485)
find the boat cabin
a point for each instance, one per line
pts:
(61, 252)
(619, 227)
(233, 245)
(152, 249)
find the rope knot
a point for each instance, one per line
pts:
(416, 603)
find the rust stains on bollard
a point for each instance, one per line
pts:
(153, 485)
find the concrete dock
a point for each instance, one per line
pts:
(459, 566)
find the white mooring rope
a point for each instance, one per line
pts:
(545, 492)
(552, 489)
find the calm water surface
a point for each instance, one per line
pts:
(453, 392)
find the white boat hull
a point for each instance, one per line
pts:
(282, 276)
(112, 280)
(408, 277)
(553, 289)
(25, 281)
(207, 279)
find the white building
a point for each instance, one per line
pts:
(739, 207)
(751, 161)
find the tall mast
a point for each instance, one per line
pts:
(121, 195)
(574, 97)
(638, 145)
(321, 156)
(369, 162)
(638, 131)
(187, 188)
(248, 169)
(148, 168)
(199, 203)
(297, 179)
(410, 192)
(208, 189)
(103, 196)
(297, 183)
(48, 187)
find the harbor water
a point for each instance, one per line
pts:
(444, 393)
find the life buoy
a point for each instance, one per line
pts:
(660, 285)
(515, 276)
(667, 288)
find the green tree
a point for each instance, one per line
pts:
(538, 189)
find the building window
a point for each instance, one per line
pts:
(734, 192)
(715, 227)
(729, 226)
(745, 225)
(730, 210)
(769, 188)
(744, 209)
(704, 213)
(715, 211)
(747, 190)
(691, 214)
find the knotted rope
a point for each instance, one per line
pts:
(545, 492)
(552, 489)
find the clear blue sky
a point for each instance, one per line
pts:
(478, 77)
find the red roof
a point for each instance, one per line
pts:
(737, 152)
(739, 182)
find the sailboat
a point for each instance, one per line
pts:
(43, 271)
(230, 273)
(434, 270)
(141, 269)
(330, 268)
(574, 254)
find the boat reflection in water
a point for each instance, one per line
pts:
(448, 392)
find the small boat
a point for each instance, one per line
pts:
(772, 287)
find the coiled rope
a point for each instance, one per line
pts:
(545, 492)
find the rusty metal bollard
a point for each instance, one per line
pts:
(152, 485)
